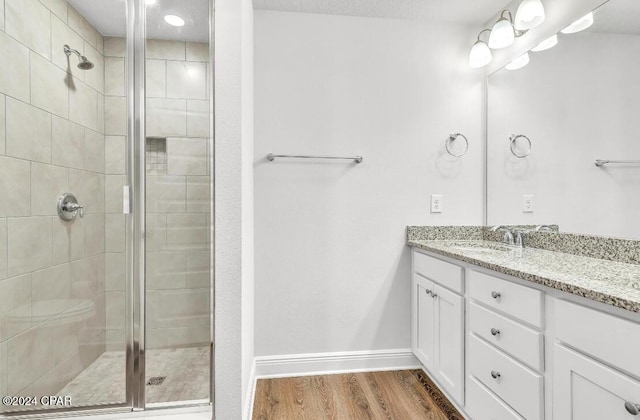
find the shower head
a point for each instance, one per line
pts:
(84, 63)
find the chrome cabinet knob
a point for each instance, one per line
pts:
(632, 408)
(427, 291)
(433, 295)
(495, 295)
(495, 374)
(495, 331)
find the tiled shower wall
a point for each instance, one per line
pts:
(52, 313)
(177, 193)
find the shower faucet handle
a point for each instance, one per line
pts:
(68, 207)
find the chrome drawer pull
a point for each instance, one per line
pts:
(495, 331)
(632, 408)
(495, 374)
(495, 295)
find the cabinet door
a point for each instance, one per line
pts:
(425, 323)
(450, 342)
(584, 389)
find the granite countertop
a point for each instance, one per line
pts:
(611, 282)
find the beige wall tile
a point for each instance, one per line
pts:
(156, 232)
(113, 193)
(160, 338)
(83, 105)
(67, 143)
(48, 284)
(116, 340)
(1, 29)
(58, 7)
(100, 44)
(3, 352)
(177, 308)
(115, 236)
(3, 248)
(114, 83)
(29, 243)
(115, 310)
(28, 132)
(166, 50)
(198, 269)
(186, 231)
(198, 118)
(3, 130)
(62, 35)
(166, 194)
(115, 271)
(14, 79)
(47, 183)
(21, 17)
(78, 23)
(188, 80)
(186, 156)
(198, 194)
(115, 154)
(166, 117)
(198, 51)
(87, 277)
(93, 151)
(15, 306)
(115, 116)
(166, 270)
(68, 239)
(88, 187)
(15, 190)
(49, 90)
(95, 76)
(100, 127)
(115, 47)
(29, 357)
(156, 79)
(94, 234)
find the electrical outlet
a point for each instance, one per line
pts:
(436, 203)
(527, 203)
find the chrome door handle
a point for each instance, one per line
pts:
(495, 331)
(632, 408)
(495, 295)
(495, 374)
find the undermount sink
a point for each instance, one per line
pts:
(481, 247)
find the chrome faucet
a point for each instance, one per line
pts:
(508, 236)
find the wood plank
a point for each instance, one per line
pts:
(395, 395)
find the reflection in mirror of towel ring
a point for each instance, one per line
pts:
(513, 139)
(453, 137)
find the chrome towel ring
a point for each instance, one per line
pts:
(453, 137)
(512, 142)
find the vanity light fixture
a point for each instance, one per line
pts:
(579, 25)
(502, 33)
(480, 54)
(530, 14)
(518, 63)
(546, 44)
(174, 20)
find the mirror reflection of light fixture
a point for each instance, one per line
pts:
(529, 15)
(579, 25)
(502, 33)
(480, 54)
(546, 44)
(518, 63)
(174, 20)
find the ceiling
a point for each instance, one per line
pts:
(459, 11)
(617, 17)
(109, 17)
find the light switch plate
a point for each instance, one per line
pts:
(436, 203)
(527, 203)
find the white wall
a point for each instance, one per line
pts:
(233, 246)
(577, 102)
(332, 268)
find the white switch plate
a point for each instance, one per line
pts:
(436, 203)
(527, 203)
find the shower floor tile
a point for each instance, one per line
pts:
(186, 371)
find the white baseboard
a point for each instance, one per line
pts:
(251, 393)
(329, 363)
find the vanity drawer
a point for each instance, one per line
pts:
(523, 343)
(482, 404)
(614, 340)
(519, 301)
(447, 274)
(517, 385)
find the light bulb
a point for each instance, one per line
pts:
(174, 20)
(480, 55)
(502, 34)
(529, 15)
(546, 44)
(518, 63)
(579, 25)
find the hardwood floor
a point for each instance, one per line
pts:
(398, 395)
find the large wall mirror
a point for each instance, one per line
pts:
(550, 121)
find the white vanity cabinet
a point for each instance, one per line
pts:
(438, 322)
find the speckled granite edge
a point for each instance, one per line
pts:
(629, 305)
(434, 233)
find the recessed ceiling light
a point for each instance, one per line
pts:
(174, 20)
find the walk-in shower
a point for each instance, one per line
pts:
(105, 174)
